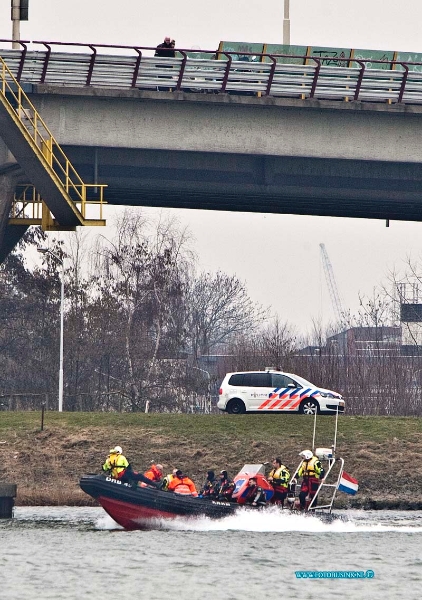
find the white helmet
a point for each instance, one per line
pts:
(306, 454)
(116, 450)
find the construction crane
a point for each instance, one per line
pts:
(332, 286)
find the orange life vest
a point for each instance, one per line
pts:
(183, 485)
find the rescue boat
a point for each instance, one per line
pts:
(145, 507)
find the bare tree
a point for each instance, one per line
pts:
(145, 272)
(219, 309)
(278, 343)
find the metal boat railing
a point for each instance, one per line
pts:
(277, 75)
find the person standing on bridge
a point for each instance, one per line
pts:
(166, 49)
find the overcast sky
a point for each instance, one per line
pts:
(287, 272)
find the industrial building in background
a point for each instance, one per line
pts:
(403, 338)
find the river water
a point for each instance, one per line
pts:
(64, 553)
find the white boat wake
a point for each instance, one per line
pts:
(272, 520)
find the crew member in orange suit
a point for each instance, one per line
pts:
(181, 484)
(155, 472)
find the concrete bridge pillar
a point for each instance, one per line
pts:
(6, 156)
(10, 172)
(8, 180)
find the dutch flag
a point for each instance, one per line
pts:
(348, 484)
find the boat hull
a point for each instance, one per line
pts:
(143, 507)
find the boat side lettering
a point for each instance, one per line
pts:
(117, 481)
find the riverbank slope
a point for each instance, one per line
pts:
(383, 453)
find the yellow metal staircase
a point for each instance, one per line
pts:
(28, 208)
(57, 197)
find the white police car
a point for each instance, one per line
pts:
(275, 391)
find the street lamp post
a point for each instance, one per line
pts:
(286, 23)
(19, 12)
(16, 22)
(61, 262)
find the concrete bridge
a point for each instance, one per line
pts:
(243, 153)
(238, 151)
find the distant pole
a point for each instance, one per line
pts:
(16, 24)
(61, 263)
(313, 436)
(61, 340)
(19, 12)
(286, 23)
(335, 434)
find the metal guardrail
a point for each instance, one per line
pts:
(276, 75)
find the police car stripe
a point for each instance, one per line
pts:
(288, 399)
(266, 402)
(285, 400)
(295, 404)
(273, 406)
(272, 397)
(285, 404)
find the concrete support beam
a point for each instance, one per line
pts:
(9, 236)
(6, 157)
(8, 179)
(248, 126)
(248, 183)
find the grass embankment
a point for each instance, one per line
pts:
(383, 453)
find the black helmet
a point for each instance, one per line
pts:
(210, 475)
(224, 473)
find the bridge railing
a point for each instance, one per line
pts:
(127, 67)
